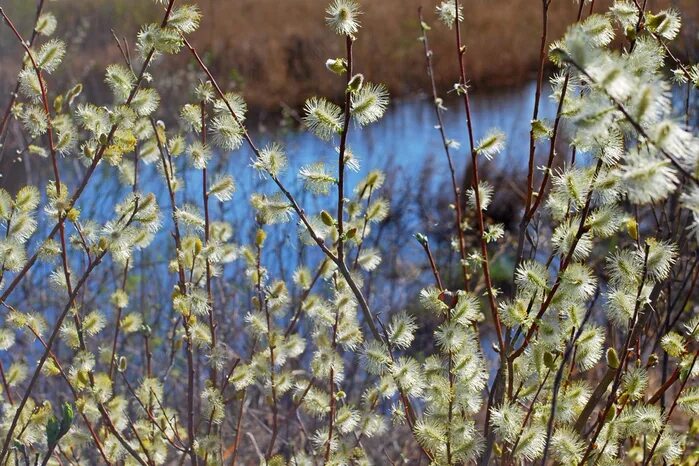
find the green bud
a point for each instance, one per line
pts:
(337, 65)
(73, 93)
(422, 239)
(122, 364)
(623, 398)
(55, 429)
(558, 55)
(632, 228)
(58, 104)
(260, 237)
(652, 360)
(549, 360)
(355, 84)
(693, 427)
(653, 22)
(612, 358)
(68, 416)
(327, 218)
(497, 449)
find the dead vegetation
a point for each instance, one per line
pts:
(273, 51)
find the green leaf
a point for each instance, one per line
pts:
(68, 416)
(52, 432)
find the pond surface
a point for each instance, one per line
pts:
(405, 144)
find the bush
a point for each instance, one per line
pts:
(588, 357)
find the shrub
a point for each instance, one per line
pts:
(588, 358)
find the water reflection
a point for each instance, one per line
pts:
(405, 144)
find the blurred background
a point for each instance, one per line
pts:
(273, 52)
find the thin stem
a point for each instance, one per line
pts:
(331, 389)
(461, 51)
(90, 171)
(5, 386)
(535, 198)
(535, 116)
(341, 156)
(117, 325)
(622, 363)
(666, 417)
(166, 161)
(263, 307)
(340, 231)
(639, 129)
(433, 265)
(304, 296)
(557, 384)
(363, 304)
(582, 229)
(458, 207)
(49, 344)
(4, 123)
(207, 232)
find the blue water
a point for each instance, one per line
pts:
(405, 144)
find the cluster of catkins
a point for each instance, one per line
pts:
(586, 356)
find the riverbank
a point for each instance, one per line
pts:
(274, 52)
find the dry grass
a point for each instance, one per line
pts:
(280, 51)
(274, 51)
